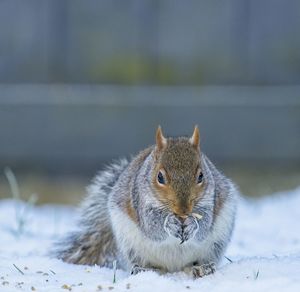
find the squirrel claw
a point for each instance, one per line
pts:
(199, 271)
(136, 269)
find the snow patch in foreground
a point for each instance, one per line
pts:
(265, 251)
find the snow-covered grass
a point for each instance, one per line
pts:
(264, 254)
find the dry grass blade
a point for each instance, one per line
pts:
(19, 270)
(12, 183)
(20, 210)
(228, 259)
(115, 271)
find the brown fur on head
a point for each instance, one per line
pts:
(178, 166)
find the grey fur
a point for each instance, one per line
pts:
(94, 241)
(106, 231)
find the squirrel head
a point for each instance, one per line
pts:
(177, 177)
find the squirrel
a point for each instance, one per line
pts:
(167, 209)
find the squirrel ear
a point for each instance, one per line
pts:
(195, 139)
(161, 141)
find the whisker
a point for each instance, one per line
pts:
(163, 208)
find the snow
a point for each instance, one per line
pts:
(265, 253)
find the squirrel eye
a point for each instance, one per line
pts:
(160, 178)
(200, 178)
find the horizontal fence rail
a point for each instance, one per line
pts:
(80, 126)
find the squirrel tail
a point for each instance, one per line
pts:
(93, 243)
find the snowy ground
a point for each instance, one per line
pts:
(265, 253)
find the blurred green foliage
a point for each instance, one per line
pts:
(131, 70)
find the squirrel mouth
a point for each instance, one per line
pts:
(195, 215)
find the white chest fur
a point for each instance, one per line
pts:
(168, 254)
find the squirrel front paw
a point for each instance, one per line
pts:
(199, 271)
(136, 269)
(190, 226)
(183, 230)
(173, 226)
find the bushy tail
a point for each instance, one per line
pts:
(94, 242)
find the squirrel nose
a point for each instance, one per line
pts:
(182, 213)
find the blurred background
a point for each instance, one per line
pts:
(84, 82)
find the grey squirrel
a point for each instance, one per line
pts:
(167, 209)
